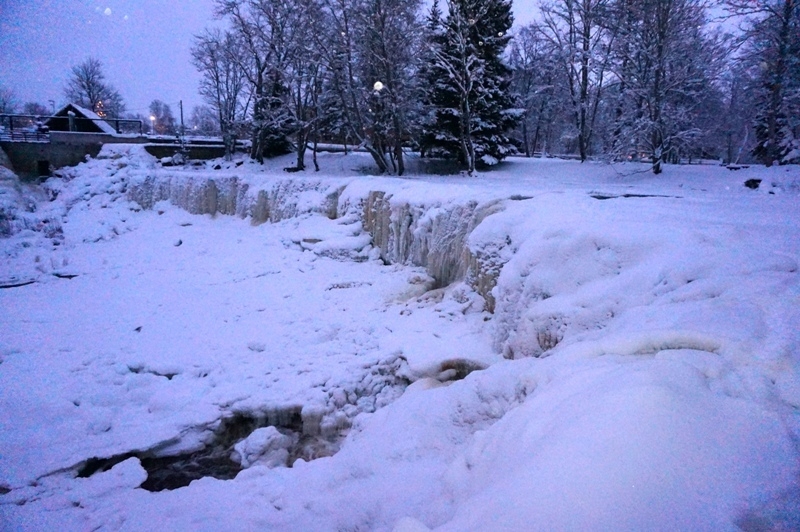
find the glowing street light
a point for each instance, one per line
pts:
(378, 86)
(152, 124)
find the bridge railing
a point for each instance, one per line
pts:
(11, 125)
(19, 135)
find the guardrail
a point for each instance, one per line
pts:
(11, 124)
(24, 136)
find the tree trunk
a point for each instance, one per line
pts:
(525, 139)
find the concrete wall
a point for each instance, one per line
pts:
(194, 152)
(5, 161)
(82, 139)
(35, 159)
(31, 160)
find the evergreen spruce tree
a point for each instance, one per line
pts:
(434, 40)
(472, 106)
(272, 124)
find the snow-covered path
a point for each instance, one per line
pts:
(669, 398)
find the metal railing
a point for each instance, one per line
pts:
(30, 125)
(18, 135)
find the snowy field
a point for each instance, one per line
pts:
(547, 346)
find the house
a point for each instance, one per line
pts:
(78, 119)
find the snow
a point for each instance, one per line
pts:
(548, 345)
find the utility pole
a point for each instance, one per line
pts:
(183, 130)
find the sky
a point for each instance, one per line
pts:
(144, 46)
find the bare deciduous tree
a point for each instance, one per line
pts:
(535, 81)
(8, 102)
(88, 88)
(581, 44)
(771, 36)
(665, 65)
(219, 57)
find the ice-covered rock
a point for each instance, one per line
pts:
(265, 446)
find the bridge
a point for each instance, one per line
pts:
(36, 145)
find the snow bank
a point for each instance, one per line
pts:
(597, 447)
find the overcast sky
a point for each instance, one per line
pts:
(144, 46)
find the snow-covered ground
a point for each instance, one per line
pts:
(546, 346)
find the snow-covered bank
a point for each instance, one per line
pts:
(664, 313)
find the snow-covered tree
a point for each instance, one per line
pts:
(429, 88)
(303, 71)
(220, 59)
(88, 88)
(371, 49)
(580, 45)
(473, 108)
(261, 34)
(772, 55)
(391, 44)
(535, 68)
(664, 64)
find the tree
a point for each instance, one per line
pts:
(301, 68)
(391, 39)
(263, 53)
(220, 58)
(35, 109)
(665, 65)
(164, 122)
(534, 64)
(433, 39)
(87, 87)
(370, 50)
(204, 120)
(580, 44)
(772, 53)
(8, 101)
(472, 105)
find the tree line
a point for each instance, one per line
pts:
(377, 74)
(654, 80)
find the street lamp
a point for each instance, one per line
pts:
(152, 125)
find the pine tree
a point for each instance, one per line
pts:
(472, 105)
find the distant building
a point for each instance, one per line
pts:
(78, 119)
